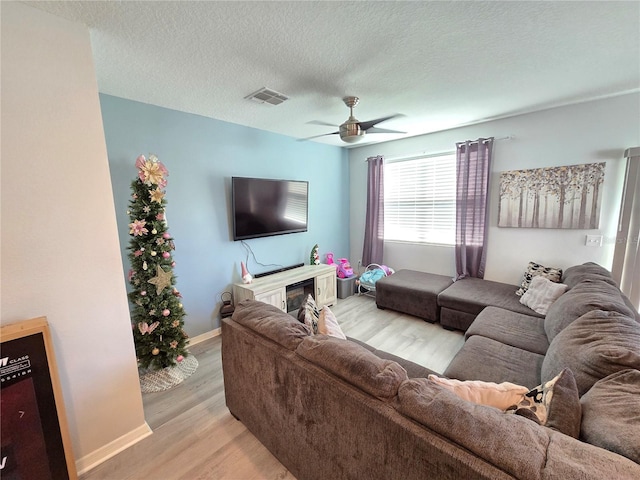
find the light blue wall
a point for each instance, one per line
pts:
(202, 154)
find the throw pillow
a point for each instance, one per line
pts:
(535, 269)
(309, 314)
(541, 293)
(499, 395)
(610, 414)
(328, 324)
(554, 404)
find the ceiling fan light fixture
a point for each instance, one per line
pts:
(351, 132)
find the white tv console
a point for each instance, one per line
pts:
(272, 289)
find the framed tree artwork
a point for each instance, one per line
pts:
(35, 439)
(554, 197)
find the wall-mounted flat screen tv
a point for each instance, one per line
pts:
(263, 207)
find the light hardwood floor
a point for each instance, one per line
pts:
(195, 437)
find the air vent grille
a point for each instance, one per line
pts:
(266, 95)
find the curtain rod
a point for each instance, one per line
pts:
(508, 137)
(439, 154)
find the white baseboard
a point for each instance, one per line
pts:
(205, 336)
(111, 449)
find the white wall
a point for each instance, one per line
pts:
(589, 132)
(60, 253)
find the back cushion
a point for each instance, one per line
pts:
(271, 322)
(594, 346)
(590, 294)
(578, 273)
(485, 431)
(611, 417)
(355, 364)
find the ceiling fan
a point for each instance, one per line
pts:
(353, 130)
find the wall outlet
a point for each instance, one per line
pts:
(593, 241)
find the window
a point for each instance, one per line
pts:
(420, 199)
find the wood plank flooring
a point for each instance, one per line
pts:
(195, 437)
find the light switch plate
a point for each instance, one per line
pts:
(593, 241)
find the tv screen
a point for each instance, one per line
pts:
(263, 207)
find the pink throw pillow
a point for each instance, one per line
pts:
(500, 395)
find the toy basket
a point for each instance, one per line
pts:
(373, 273)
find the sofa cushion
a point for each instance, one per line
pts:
(355, 364)
(499, 395)
(541, 294)
(472, 295)
(554, 404)
(485, 431)
(594, 346)
(535, 269)
(485, 359)
(632, 307)
(271, 322)
(568, 458)
(412, 292)
(611, 414)
(413, 369)
(589, 294)
(515, 329)
(587, 271)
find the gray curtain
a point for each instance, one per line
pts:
(374, 226)
(473, 166)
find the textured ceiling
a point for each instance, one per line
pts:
(441, 64)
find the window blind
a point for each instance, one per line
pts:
(420, 200)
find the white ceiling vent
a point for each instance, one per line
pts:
(266, 95)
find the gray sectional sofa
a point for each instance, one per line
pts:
(339, 409)
(437, 298)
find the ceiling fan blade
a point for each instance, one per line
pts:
(324, 124)
(316, 136)
(382, 130)
(370, 123)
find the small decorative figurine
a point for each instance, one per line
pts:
(246, 276)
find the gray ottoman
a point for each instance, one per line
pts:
(415, 293)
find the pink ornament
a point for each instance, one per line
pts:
(166, 235)
(166, 254)
(179, 358)
(166, 312)
(143, 293)
(173, 264)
